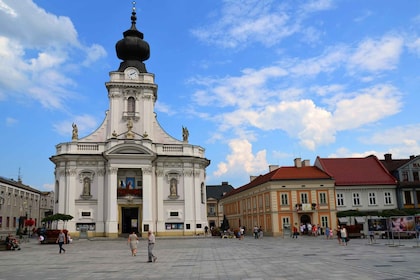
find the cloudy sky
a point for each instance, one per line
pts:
(256, 82)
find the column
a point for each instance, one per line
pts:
(100, 222)
(160, 215)
(110, 203)
(191, 193)
(148, 198)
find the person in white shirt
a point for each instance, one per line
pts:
(151, 244)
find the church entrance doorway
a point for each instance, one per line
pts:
(130, 219)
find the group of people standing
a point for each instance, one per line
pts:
(258, 232)
(342, 235)
(341, 232)
(133, 241)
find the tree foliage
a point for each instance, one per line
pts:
(57, 217)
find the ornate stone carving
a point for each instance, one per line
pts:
(147, 170)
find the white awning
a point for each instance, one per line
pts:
(343, 220)
(359, 220)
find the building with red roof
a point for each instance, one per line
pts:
(283, 197)
(407, 173)
(362, 184)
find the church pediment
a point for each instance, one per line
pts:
(129, 149)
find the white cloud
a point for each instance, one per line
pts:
(367, 106)
(266, 22)
(11, 121)
(241, 159)
(377, 55)
(85, 124)
(94, 53)
(164, 108)
(7, 9)
(35, 49)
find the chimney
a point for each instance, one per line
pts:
(225, 183)
(298, 162)
(252, 178)
(306, 162)
(272, 167)
(388, 157)
(412, 157)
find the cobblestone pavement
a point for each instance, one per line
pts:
(216, 258)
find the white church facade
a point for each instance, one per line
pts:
(130, 175)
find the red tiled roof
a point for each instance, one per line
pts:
(356, 171)
(284, 173)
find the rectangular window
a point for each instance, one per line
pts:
(416, 176)
(340, 199)
(85, 214)
(322, 198)
(1, 221)
(418, 196)
(356, 199)
(267, 200)
(303, 198)
(324, 221)
(407, 197)
(284, 199)
(372, 198)
(8, 222)
(254, 203)
(260, 202)
(174, 226)
(388, 198)
(405, 176)
(14, 222)
(173, 214)
(212, 210)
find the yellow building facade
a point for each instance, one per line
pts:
(282, 198)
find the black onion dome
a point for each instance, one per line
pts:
(133, 50)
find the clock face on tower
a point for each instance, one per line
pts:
(132, 73)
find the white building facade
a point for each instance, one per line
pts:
(130, 175)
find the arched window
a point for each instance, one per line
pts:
(131, 105)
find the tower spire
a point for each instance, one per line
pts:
(133, 17)
(132, 49)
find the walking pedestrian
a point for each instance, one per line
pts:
(339, 235)
(151, 244)
(60, 240)
(133, 240)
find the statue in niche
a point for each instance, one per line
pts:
(173, 187)
(75, 133)
(86, 187)
(185, 134)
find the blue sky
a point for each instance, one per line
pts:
(256, 82)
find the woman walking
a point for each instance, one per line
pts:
(133, 240)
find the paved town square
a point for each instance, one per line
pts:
(216, 258)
